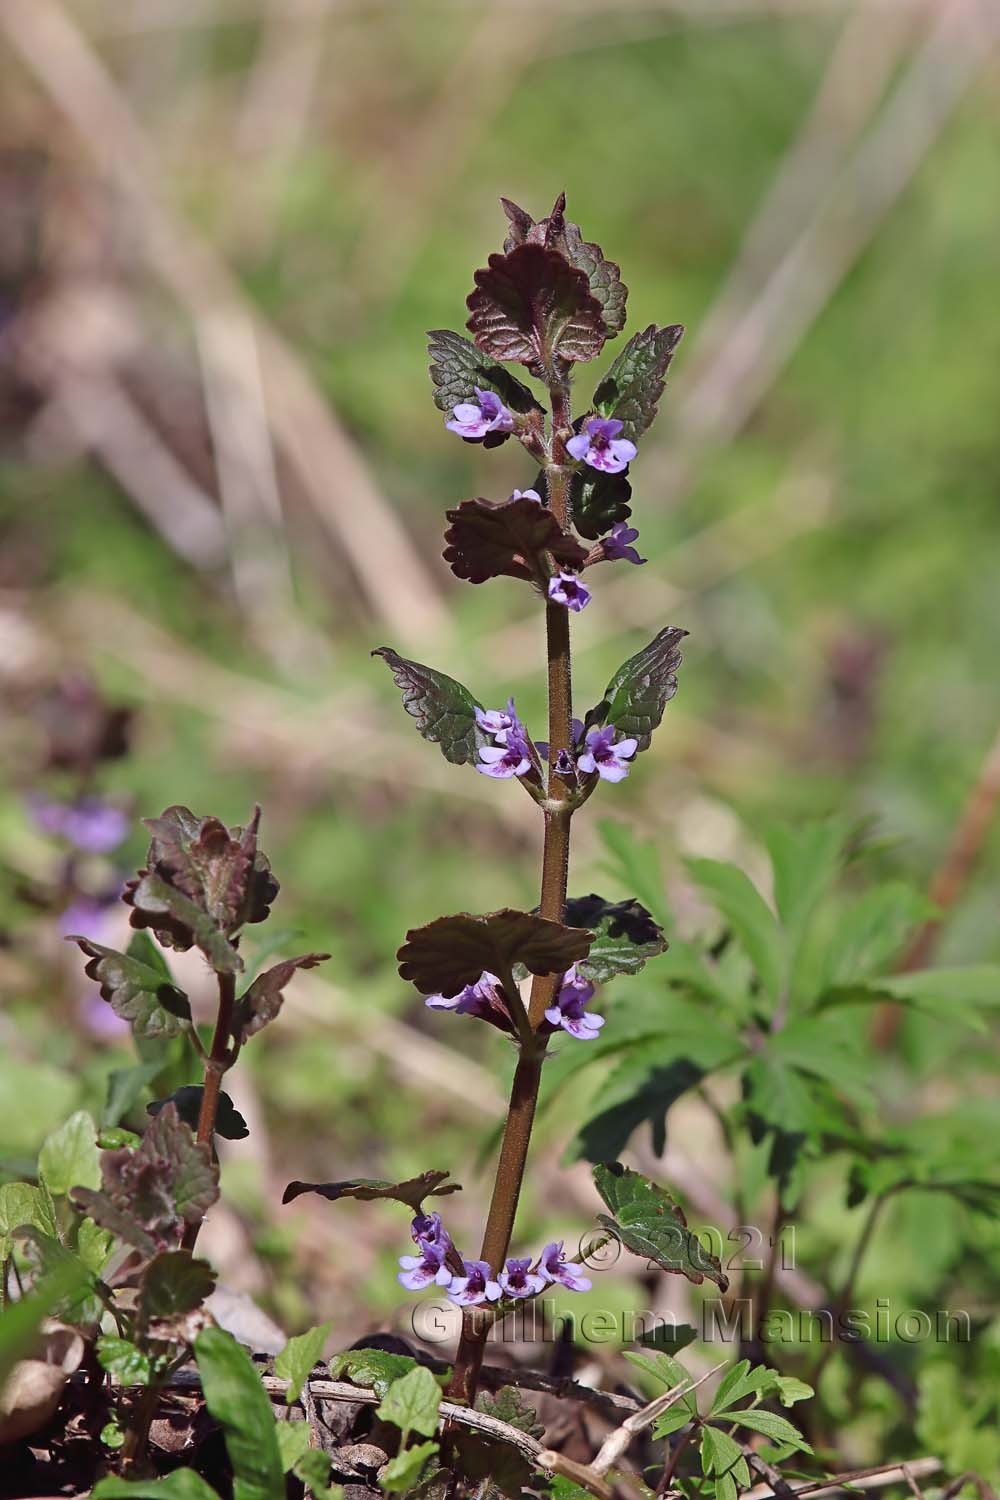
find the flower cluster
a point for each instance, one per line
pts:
(471, 1282)
(486, 1000)
(598, 752)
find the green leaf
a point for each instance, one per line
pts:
(69, 1156)
(403, 1471)
(229, 1123)
(668, 1372)
(597, 501)
(374, 1368)
(296, 1360)
(126, 1087)
(93, 1246)
(236, 1399)
(640, 690)
(748, 914)
(445, 711)
(719, 1452)
(740, 1381)
(446, 955)
(22, 1319)
(561, 1488)
(636, 1090)
(138, 987)
(508, 1405)
(650, 1223)
(263, 1000)
(625, 935)
(636, 865)
(790, 1389)
(412, 1192)
(313, 1468)
(806, 859)
(632, 388)
(532, 306)
(457, 368)
(22, 1203)
(778, 1429)
(112, 1435)
(507, 539)
(412, 1402)
(122, 1359)
(182, 1484)
(175, 1284)
(293, 1443)
(937, 989)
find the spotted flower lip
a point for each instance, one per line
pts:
(516, 1280)
(553, 1267)
(426, 1269)
(600, 446)
(474, 419)
(608, 757)
(513, 755)
(476, 1286)
(565, 588)
(427, 1229)
(617, 547)
(569, 1013)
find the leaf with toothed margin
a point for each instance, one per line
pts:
(174, 1283)
(412, 1192)
(138, 986)
(444, 709)
(640, 690)
(625, 935)
(457, 368)
(598, 501)
(263, 1000)
(508, 539)
(559, 233)
(632, 388)
(446, 955)
(532, 306)
(649, 1223)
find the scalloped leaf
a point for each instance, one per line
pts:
(642, 687)
(444, 709)
(138, 986)
(446, 955)
(625, 935)
(457, 367)
(532, 306)
(632, 388)
(412, 1192)
(174, 1284)
(559, 233)
(507, 539)
(263, 1000)
(649, 1223)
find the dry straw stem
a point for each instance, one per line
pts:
(615, 1445)
(857, 1479)
(398, 588)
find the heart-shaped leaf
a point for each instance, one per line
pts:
(559, 233)
(457, 368)
(412, 1192)
(649, 1223)
(138, 986)
(446, 955)
(625, 935)
(508, 539)
(532, 306)
(632, 388)
(444, 709)
(263, 1000)
(642, 687)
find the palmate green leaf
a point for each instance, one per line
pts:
(744, 909)
(636, 864)
(640, 690)
(296, 1360)
(138, 986)
(69, 1156)
(182, 1484)
(446, 955)
(507, 539)
(412, 1402)
(444, 710)
(532, 306)
(404, 1471)
(458, 367)
(625, 935)
(740, 1381)
(236, 1399)
(806, 859)
(412, 1191)
(259, 1004)
(649, 1223)
(632, 388)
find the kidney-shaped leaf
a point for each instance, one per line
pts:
(487, 540)
(531, 306)
(444, 710)
(649, 1223)
(446, 955)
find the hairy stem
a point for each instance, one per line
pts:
(216, 1063)
(555, 871)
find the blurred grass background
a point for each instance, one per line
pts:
(225, 226)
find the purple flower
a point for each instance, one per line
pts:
(512, 757)
(474, 419)
(424, 1269)
(600, 446)
(553, 1266)
(89, 917)
(617, 546)
(427, 1229)
(566, 588)
(517, 1281)
(497, 721)
(526, 495)
(570, 1009)
(603, 755)
(91, 824)
(477, 1285)
(484, 999)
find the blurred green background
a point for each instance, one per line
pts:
(225, 226)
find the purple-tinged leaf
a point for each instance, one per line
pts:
(508, 539)
(632, 388)
(452, 952)
(178, 922)
(559, 233)
(138, 986)
(532, 306)
(458, 368)
(412, 1192)
(650, 1224)
(263, 1000)
(444, 709)
(640, 690)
